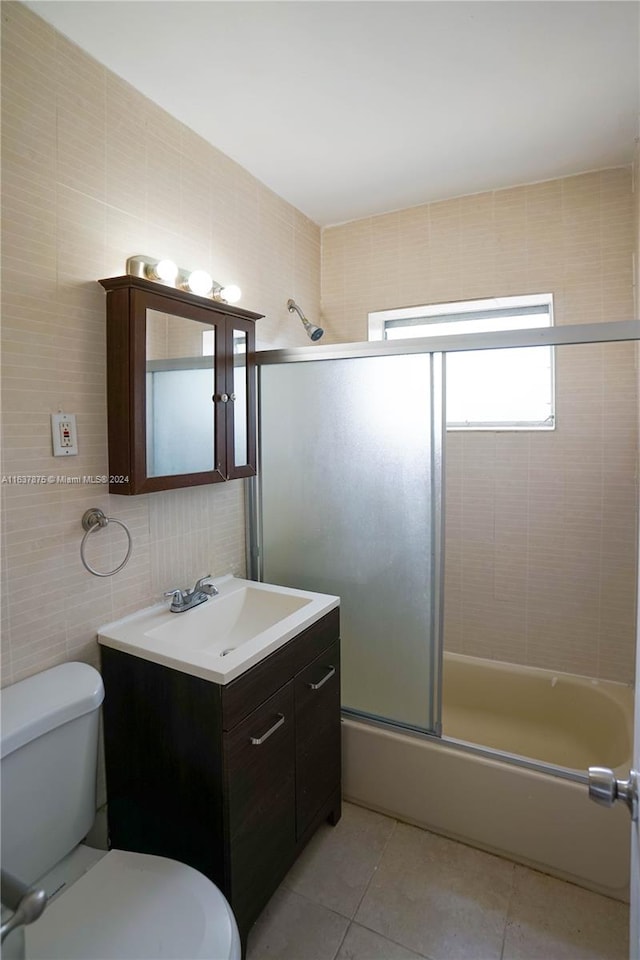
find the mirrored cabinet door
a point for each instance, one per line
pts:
(181, 395)
(241, 452)
(180, 386)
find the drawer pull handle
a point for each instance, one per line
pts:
(316, 686)
(265, 736)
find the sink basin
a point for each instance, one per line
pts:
(223, 637)
(228, 620)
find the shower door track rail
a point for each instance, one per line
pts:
(507, 339)
(465, 746)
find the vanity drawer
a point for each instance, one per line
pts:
(242, 696)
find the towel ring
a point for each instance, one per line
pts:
(94, 519)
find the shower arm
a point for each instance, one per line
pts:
(313, 332)
(292, 305)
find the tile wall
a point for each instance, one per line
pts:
(541, 528)
(93, 172)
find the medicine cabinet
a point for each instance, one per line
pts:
(180, 388)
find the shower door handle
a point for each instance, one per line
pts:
(605, 789)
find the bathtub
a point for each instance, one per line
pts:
(509, 773)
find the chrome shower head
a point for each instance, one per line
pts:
(313, 332)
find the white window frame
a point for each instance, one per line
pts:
(498, 307)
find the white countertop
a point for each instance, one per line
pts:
(222, 638)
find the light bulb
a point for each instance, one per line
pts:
(200, 282)
(230, 294)
(166, 271)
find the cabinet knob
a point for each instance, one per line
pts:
(232, 397)
(224, 397)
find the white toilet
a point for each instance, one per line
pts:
(105, 905)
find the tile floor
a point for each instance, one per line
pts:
(376, 889)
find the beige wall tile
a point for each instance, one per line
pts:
(93, 173)
(541, 527)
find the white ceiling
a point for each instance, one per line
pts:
(348, 108)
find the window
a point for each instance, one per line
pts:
(501, 389)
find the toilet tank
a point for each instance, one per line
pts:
(49, 748)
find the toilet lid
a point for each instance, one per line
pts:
(132, 906)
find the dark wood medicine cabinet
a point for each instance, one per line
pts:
(180, 388)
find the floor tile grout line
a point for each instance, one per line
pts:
(376, 865)
(290, 892)
(317, 903)
(291, 889)
(365, 891)
(351, 920)
(323, 906)
(511, 906)
(397, 943)
(508, 910)
(344, 937)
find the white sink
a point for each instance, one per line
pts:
(220, 639)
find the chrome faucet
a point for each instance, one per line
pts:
(183, 600)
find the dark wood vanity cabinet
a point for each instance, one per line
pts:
(180, 388)
(234, 779)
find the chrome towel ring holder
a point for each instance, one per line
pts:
(94, 519)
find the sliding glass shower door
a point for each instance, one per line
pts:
(349, 504)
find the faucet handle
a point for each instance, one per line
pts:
(175, 594)
(204, 585)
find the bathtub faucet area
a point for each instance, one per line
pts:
(183, 600)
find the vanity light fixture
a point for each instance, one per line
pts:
(166, 271)
(194, 281)
(230, 294)
(199, 282)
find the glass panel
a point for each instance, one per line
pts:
(347, 509)
(541, 572)
(501, 388)
(241, 454)
(180, 385)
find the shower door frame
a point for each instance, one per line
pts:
(438, 348)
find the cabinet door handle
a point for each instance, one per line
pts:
(316, 686)
(265, 736)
